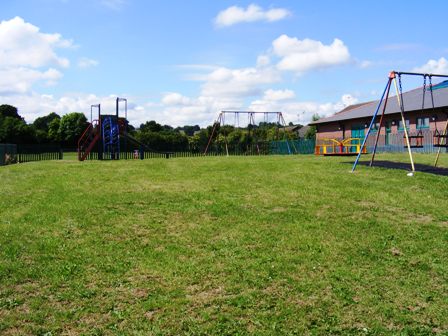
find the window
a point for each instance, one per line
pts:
(400, 125)
(375, 127)
(423, 122)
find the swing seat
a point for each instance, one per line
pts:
(415, 141)
(438, 139)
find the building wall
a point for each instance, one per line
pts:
(343, 129)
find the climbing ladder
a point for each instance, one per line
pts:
(88, 140)
(111, 138)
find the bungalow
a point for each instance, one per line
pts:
(354, 120)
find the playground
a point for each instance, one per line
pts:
(291, 244)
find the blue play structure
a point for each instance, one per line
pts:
(107, 136)
(111, 137)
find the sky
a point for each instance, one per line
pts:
(181, 62)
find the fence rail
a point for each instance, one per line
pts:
(38, 152)
(395, 142)
(262, 148)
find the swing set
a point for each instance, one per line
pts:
(411, 140)
(251, 129)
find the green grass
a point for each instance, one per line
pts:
(216, 245)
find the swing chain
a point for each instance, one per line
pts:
(401, 92)
(432, 94)
(424, 91)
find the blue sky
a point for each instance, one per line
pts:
(181, 62)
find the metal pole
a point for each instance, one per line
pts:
(446, 125)
(370, 127)
(213, 132)
(282, 121)
(381, 123)
(420, 74)
(400, 104)
(249, 112)
(444, 137)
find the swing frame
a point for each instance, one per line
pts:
(399, 93)
(221, 121)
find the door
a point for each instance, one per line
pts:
(387, 133)
(357, 132)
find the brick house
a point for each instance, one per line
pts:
(354, 120)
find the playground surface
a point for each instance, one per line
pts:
(223, 245)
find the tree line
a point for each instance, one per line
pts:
(66, 130)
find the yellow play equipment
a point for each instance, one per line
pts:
(334, 147)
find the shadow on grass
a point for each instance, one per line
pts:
(405, 166)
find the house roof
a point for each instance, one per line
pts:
(302, 131)
(412, 101)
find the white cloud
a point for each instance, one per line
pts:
(301, 111)
(175, 99)
(365, 64)
(27, 56)
(439, 66)
(245, 82)
(176, 109)
(22, 44)
(304, 55)
(252, 13)
(221, 88)
(348, 99)
(20, 80)
(228, 89)
(275, 95)
(179, 110)
(85, 62)
(263, 60)
(33, 105)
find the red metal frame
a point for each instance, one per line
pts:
(84, 140)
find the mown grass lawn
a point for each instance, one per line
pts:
(238, 245)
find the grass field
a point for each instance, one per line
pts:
(238, 245)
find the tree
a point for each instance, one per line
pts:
(53, 130)
(13, 128)
(151, 126)
(43, 123)
(188, 130)
(71, 127)
(9, 111)
(42, 126)
(198, 141)
(311, 132)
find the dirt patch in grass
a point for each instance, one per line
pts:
(443, 224)
(421, 219)
(279, 209)
(199, 295)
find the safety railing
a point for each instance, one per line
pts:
(350, 146)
